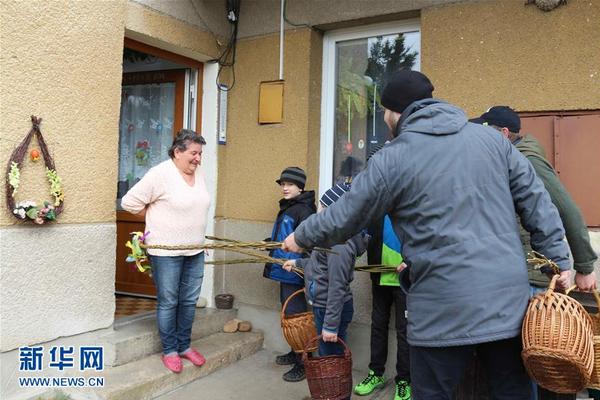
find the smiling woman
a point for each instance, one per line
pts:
(174, 199)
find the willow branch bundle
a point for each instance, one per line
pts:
(376, 268)
(216, 246)
(538, 260)
(235, 261)
(277, 244)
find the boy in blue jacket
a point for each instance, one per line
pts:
(327, 278)
(295, 206)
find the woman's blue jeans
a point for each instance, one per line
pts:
(178, 281)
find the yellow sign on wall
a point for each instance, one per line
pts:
(270, 102)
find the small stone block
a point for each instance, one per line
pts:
(245, 326)
(231, 326)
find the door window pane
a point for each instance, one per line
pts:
(364, 67)
(145, 131)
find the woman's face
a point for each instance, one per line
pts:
(187, 161)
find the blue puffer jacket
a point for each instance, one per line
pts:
(291, 213)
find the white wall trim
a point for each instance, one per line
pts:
(210, 164)
(328, 87)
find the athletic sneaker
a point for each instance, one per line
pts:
(369, 384)
(402, 391)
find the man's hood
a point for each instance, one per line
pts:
(432, 117)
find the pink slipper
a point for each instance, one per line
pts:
(194, 356)
(173, 363)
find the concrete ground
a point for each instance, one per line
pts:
(257, 378)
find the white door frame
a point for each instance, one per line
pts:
(328, 84)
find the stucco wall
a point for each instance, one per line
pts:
(483, 53)
(255, 154)
(62, 61)
(154, 27)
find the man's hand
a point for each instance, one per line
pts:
(290, 245)
(564, 281)
(401, 267)
(288, 265)
(587, 282)
(329, 336)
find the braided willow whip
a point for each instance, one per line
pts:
(214, 238)
(538, 261)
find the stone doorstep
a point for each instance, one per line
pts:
(139, 337)
(148, 378)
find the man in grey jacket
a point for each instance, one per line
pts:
(452, 189)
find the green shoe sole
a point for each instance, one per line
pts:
(366, 392)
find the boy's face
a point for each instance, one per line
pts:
(289, 190)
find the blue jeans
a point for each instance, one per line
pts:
(331, 348)
(178, 281)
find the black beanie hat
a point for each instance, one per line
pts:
(404, 87)
(295, 175)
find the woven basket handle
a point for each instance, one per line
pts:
(552, 285)
(310, 342)
(285, 303)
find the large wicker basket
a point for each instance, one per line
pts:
(328, 377)
(299, 328)
(595, 378)
(558, 343)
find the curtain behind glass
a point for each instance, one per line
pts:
(145, 131)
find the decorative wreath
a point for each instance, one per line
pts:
(29, 210)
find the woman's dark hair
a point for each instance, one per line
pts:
(182, 140)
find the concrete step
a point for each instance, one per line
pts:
(137, 338)
(148, 378)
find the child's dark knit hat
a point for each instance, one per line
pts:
(295, 175)
(332, 195)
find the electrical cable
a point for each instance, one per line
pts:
(285, 18)
(227, 58)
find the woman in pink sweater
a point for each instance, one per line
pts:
(174, 200)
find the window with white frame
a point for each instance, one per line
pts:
(357, 64)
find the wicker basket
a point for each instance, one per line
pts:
(299, 328)
(328, 377)
(558, 350)
(595, 378)
(224, 301)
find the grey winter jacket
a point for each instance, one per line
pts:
(327, 278)
(451, 189)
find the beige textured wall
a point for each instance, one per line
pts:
(255, 154)
(501, 52)
(167, 32)
(62, 61)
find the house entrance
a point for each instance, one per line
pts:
(158, 98)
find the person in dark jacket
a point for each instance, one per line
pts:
(452, 190)
(384, 249)
(295, 206)
(507, 121)
(327, 278)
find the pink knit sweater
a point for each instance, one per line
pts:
(176, 213)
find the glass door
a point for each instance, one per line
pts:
(151, 114)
